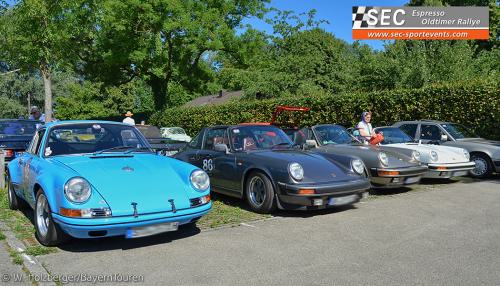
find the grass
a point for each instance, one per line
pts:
(38, 250)
(228, 211)
(19, 223)
(16, 256)
(2, 236)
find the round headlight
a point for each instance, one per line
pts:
(415, 155)
(434, 156)
(77, 190)
(383, 158)
(296, 171)
(200, 180)
(466, 154)
(358, 166)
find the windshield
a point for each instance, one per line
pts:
(85, 138)
(458, 131)
(149, 131)
(18, 127)
(246, 138)
(332, 134)
(394, 135)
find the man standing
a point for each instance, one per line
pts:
(128, 118)
(35, 114)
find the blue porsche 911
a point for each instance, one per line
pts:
(90, 179)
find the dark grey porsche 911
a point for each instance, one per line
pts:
(260, 164)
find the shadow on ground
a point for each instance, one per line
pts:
(119, 242)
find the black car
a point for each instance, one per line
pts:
(163, 146)
(260, 164)
(15, 135)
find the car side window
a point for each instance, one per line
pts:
(195, 142)
(215, 136)
(37, 141)
(409, 129)
(430, 132)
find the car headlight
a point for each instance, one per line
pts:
(296, 171)
(77, 190)
(415, 155)
(358, 166)
(466, 154)
(200, 180)
(434, 156)
(383, 158)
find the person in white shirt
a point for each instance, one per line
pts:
(366, 130)
(365, 127)
(128, 118)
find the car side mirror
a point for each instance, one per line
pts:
(310, 144)
(444, 137)
(221, 148)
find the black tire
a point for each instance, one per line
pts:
(52, 235)
(263, 200)
(15, 203)
(483, 167)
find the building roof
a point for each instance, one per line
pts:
(214, 99)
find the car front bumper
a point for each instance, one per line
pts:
(446, 171)
(118, 226)
(405, 176)
(326, 194)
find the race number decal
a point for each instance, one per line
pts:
(208, 165)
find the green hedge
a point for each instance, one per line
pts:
(476, 104)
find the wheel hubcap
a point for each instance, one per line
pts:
(481, 167)
(257, 191)
(42, 215)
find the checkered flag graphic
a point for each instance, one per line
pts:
(360, 16)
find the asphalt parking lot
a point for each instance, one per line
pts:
(439, 236)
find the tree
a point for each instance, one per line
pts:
(164, 42)
(41, 34)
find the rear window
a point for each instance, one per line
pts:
(20, 128)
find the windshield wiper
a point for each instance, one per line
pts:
(139, 149)
(113, 149)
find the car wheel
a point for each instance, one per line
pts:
(259, 192)
(48, 232)
(483, 166)
(15, 203)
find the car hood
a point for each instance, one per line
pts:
(446, 154)
(317, 169)
(148, 180)
(369, 155)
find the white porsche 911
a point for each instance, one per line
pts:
(442, 161)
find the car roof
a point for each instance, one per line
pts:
(64, 122)
(19, 119)
(425, 120)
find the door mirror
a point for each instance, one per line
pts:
(311, 144)
(444, 137)
(221, 148)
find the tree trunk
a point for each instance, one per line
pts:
(47, 84)
(159, 87)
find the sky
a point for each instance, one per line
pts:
(337, 12)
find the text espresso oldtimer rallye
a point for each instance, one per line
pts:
(93, 179)
(260, 164)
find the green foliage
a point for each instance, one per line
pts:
(95, 100)
(476, 104)
(164, 42)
